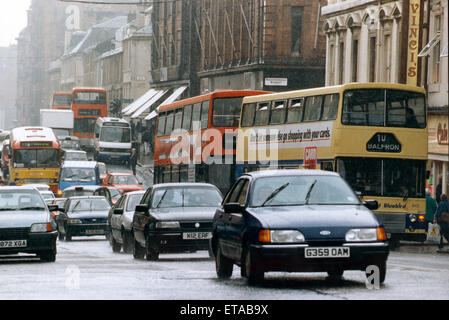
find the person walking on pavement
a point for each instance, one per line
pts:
(431, 208)
(439, 190)
(443, 210)
(133, 160)
(146, 138)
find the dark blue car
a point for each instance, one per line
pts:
(296, 221)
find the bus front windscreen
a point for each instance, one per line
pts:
(36, 158)
(115, 134)
(84, 125)
(226, 112)
(89, 98)
(62, 100)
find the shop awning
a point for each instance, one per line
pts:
(428, 48)
(149, 103)
(169, 100)
(128, 110)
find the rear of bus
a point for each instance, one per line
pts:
(88, 105)
(35, 157)
(373, 134)
(209, 124)
(62, 100)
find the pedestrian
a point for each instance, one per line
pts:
(431, 208)
(15, 182)
(146, 141)
(442, 218)
(133, 160)
(439, 190)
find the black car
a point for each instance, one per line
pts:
(83, 216)
(25, 223)
(296, 221)
(174, 218)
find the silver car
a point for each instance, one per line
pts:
(120, 221)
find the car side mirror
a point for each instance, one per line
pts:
(371, 204)
(117, 211)
(143, 209)
(53, 207)
(232, 208)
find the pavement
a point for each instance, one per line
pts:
(145, 166)
(419, 247)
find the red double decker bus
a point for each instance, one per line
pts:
(88, 104)
(62, 100)
(196, 138)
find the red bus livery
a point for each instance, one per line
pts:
(196, 138)
(62, 100)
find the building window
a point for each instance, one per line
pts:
(354, 60)
(372, 59)
(332, 64)
(436, 52)
(341, 63)
(387, 58)
(296, 30)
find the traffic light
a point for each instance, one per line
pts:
(116, 107)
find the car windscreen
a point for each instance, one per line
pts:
(115, 194)
(78, 175)
(89, 205)
(133, 201)
(16, 200)
(301, 190)
(186, 197)
(125, 180)
(102, 169)
(48, 195)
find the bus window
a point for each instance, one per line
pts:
(364, 107)
(248, 112)
(262, 114)
(226, 112)
(166, 174)
(87, 97)
(178, 119)
(295, 111)
(312, 110)
(169, 123)
(205, 114)
(405, 109)
(187, 117)
(330, 107)
(161, 124)
(183, 173)
(196, 116)
(278, 112)
(84, 125)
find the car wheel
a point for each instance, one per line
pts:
(128, 241)
(151, 253)
(67, 235)
(382, 271)
(211, 253)
(60, 236)
(335, 274)
(116, 247)
(139, 252)
(254, 274)
(223, 265)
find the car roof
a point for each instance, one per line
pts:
(86, 197)
(18, 188)
(79, 164)
(132, 193)
(290, 172)
(183, 184)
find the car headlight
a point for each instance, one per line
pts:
(74, 221)
(168, 225)
(281, 236)
(41, 227)
(366, 234)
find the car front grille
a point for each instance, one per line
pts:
(115, 150)
(14, 233)
(192, 225)
(94, 221)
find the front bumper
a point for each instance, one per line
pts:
(291, 258)
(167, 241)
(36, 242)
(106, 156)
(87, 229)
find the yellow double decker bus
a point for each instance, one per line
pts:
(34, 157)
(373, 134)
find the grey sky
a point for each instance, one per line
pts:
(13, 18)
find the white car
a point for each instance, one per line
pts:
(48, 196)
(39, 187)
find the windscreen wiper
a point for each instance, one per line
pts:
(162, 198)
(275, 193)
(310, 191)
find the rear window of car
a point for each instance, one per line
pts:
(89, 205)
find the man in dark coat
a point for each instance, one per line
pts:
(133, 160)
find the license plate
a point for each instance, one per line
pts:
(327, 252)
(197, 235)
(94, 232)
(13, 244)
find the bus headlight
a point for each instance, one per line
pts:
(412, 218)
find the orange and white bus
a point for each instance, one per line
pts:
(196, 138)
(34, 157)
(88, 104)
(62, 100)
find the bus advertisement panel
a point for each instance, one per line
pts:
(62, 100)
(373, 134)
(196, 138)
(35, 157)
(88, 104)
